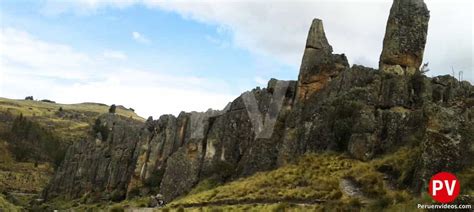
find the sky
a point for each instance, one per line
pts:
(163, 57)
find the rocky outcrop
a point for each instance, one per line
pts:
(405, 37)
(319, 65)
(99, 167)
(216, 145)
(357, 110)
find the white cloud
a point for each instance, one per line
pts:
(114, 55)
(355, 27)
(139, 37)
(29, 66)
(19, 49)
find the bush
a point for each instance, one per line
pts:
(29, 98)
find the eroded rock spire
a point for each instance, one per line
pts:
(405, 37)
(319, 65)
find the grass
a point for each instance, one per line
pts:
(70, 124)
(283, 207)
(24, 177)
(315, 177)
(82, 205)
(7, 206)
(21, 177)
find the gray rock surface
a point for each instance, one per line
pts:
(100, 169)
(405, 37)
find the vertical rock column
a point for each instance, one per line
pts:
(319, 65)
(405, 37)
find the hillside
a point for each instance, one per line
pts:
(70, 123)
(324, 181)
(23, 176)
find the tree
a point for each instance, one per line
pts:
(29, 98)
(112, 109)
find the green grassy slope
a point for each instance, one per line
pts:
(70, 124)
(314, 183)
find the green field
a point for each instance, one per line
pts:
(69, 124)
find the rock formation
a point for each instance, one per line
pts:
(358, 110)
(405, 37)
(99, 167)
(319, 65)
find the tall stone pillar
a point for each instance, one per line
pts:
(319, 65)
(405, 37)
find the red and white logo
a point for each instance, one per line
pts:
(444, 187)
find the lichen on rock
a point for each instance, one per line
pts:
(405, 37)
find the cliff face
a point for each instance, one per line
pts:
(100, 166)
(359, 110)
